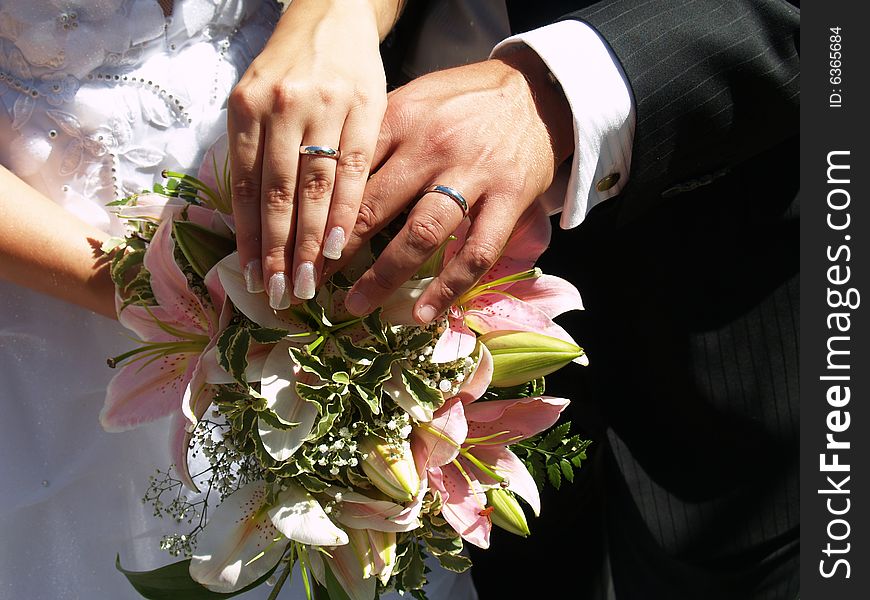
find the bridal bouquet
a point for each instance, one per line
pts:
(349, 448)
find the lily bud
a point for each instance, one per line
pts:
(390, 467)
(521, 356)
(507, 512)
(383, 545)
(362, 549)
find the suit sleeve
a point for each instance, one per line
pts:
(714, 83)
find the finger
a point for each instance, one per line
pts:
(491, 227)
(245, 137)
(358, 140)
(428, 227)
(280, 164)
(314, 194)
(387, 193)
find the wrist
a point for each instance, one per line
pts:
(550, 101)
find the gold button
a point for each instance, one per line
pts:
(607, 182)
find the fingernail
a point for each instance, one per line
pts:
(426, 313)
(254, 277)
(303, 284)
(357, 304)
(279, 299)
(334, 243)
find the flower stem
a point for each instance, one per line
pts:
(285, 575)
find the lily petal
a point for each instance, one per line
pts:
(170, 286)
(550, 294)
(397, 309)
(300, 517)
(457, 341)
(521, 418)
(494, 312)
(463, 504)
(346, 567)
(437, 443)
(477, 383)
(255, 306)
(278, 387)
(142, 393)
(361, 512)
(228, 551)
(257, 355)
(530, 238)
(508, 465)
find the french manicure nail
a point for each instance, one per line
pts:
(254, 277)
(279, 299)
(334, 243)
(304, 286)
(357, 304)
(426, 313)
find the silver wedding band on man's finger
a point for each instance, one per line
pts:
(451, 193)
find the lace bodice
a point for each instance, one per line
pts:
(99, 96)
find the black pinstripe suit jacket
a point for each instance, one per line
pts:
(690, 280)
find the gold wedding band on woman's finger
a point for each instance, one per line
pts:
(325, 151)
(451, 193)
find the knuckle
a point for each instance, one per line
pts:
(447, 292)
(381, 280)
(424, 234)
(285, 97)
(308, 245)
(354, 164)
(366, 219)
(278, 198)
(246, 191)
(316, 185)
(274, 257)
(241, 102)
(481, 256)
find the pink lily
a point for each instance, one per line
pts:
(465, 450)
(175, 333)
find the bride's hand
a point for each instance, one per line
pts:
(318, 82)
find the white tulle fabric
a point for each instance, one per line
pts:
(96, 98)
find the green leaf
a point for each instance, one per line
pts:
(567, 470)
(123, 262)
(341, 377)
(555, 475)
(333, 587)
(424, 395)
(440, 545)
(267, 335)
(418, 340)
(355, 354)
(232, 351)
(378, 372)
(202, 247)
(329, 415)
(371, 399)
(310, 363)
(173, 582)
(555, 436)
(414, 575)
(311, 483)
(271, 417)
(454, 562)
(372, 324)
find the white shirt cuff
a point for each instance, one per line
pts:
(603, 110)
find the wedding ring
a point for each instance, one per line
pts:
(451, 193)
(324, 151)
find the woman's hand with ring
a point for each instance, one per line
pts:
(319, 82)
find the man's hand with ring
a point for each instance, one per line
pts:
(492, 132)
(303, 123)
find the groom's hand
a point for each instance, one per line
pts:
(495, 132)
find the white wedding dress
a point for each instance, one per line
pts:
(97, 97)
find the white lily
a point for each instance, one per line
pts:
(245, 536)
